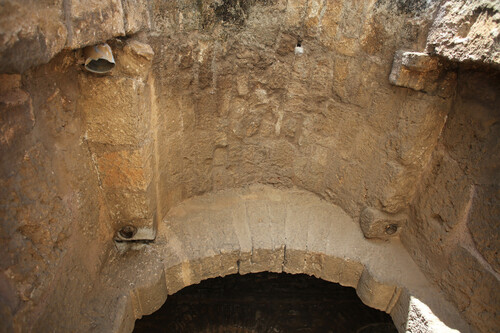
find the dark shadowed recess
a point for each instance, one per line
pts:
(266, 302)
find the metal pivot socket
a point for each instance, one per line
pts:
(378, 224)
(127, 232)
(99, 58)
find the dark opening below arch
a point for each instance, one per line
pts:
(265, 302)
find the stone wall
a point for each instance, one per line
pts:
(33, 31)
(55, 225)
(457, 208)
(238, 104)
(467, 31)
(359, 102)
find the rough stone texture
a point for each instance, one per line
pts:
(221, 100)
(50, 203)
(377, 224)
(421, 72)
(32, 31)
(93, 20)
(467, 30)
(457, 207)
(136, 16)
(119, 118)
(484, 211)
(241, 107)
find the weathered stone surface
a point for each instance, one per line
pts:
(211, 214)
(377, 224)
(375, 294)
(16, 111)
(457, 201)
(50, 203)
(475, 294)
(467, 31)
(421, 121)
(31, 33)
(116, 109)
(448, 194)
(421, 72)
(136, 59)
(483, 223)
(94, 21)
(119, 118)
(221, 101)
(414, 70)
(131, 169)
(137, 16)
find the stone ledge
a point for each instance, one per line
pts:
(422, 72)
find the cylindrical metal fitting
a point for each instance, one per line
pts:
(99, 58)
(127, 232)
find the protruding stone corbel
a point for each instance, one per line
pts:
(421, 72)
(377, 224)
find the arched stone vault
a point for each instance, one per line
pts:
(261, 228)
(202, 100)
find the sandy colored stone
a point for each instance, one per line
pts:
(135, 60)
(153, 296)
(377, 224)
(16, 111)
(209, 100)
(32, 33)
(94, 21)
(129, 169)
(117, 116)
(482, 225)
(374, 294)
(136, 16)
(373, 286)
(414, 70)
(466, 31)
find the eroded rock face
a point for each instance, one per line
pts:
(458, 199)
(210, 95)
(48, 215)
(468, 31)
(241, 106)
(33, 32)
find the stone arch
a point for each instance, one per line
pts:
(261, 228)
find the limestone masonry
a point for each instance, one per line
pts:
(355, 141)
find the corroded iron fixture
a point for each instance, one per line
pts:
(99, 58)
(391, 229)
(127, 232)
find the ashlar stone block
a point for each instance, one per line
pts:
(375, 294)
(94, 21)
(116, 110)
(377, 224)
(421, 72)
